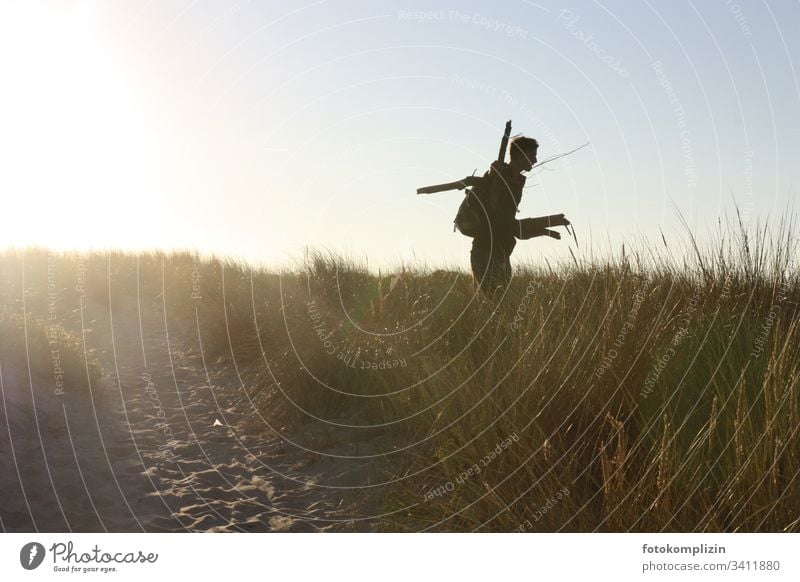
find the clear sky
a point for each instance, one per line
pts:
(257, 129)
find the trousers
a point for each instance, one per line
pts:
(491, 265)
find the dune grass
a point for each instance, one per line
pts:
(637, 393)
(33, 338)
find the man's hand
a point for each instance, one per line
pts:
(552, 233)
(559, 220)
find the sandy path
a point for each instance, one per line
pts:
(160, 449)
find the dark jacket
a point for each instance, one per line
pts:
(502, 192)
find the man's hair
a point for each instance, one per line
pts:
(522, 145)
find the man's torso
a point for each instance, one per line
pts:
(502, 197)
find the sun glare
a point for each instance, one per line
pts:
(74, 144)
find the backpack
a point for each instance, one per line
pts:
(471, 213)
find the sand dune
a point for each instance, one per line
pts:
(160, 446)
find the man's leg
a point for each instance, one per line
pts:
(491, 269)
(504, 271)
(479, 259)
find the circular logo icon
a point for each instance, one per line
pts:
(31, 555)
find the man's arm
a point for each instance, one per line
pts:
(533, 227)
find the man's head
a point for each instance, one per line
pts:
(523, 153)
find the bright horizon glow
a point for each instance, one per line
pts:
(258, 130)
(71, 134)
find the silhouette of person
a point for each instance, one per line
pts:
(490, 257)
